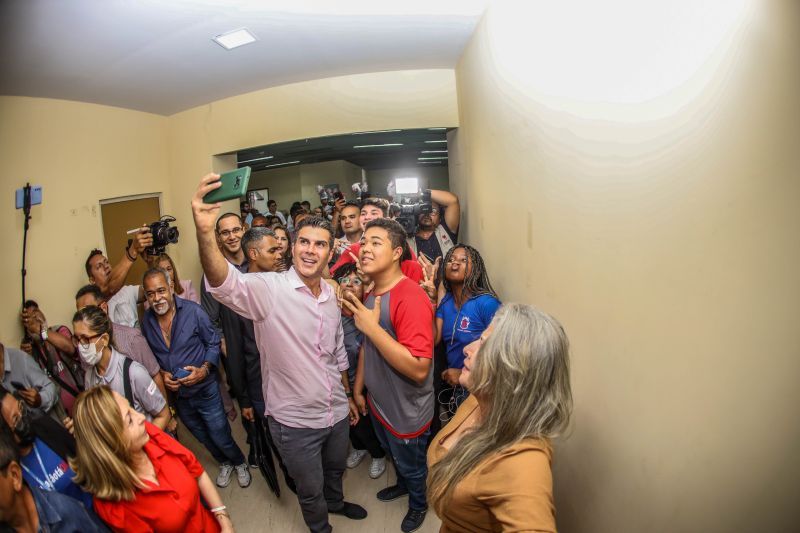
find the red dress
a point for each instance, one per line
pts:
(174, 505)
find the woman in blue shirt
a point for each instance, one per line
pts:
(466, 310)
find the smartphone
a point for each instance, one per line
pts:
(181, 373)
(234, 185)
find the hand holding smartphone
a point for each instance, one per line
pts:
(234, 185)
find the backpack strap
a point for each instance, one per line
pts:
(126, 379)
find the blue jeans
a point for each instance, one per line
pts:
(410, 462)
(203, 414)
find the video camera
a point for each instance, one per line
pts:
(410, 202)
(163, 234)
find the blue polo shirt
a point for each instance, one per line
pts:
(194, 341)
(463, 326)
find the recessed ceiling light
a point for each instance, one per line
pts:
(430, 142)
(425, 158)
(434, 151)
(256, 159)
(234, 39)
(435, 129)
(376, 131)
(428, 162)
(281, 164)
(377, 145)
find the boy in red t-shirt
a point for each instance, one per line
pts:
(395, 363)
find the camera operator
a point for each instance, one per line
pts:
(436, 234)
(122, 300)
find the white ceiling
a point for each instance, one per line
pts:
(158, 56)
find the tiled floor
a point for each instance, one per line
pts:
(257, 509)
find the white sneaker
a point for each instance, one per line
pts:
(355, 458)
(224, 476)
(243, 475)
(377, 467)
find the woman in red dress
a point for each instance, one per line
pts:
(142, 479)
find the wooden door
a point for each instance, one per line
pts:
(122, 215)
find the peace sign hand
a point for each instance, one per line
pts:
(428, 275)
(367, 320)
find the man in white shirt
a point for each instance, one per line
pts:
(272, 205)
(122, 300)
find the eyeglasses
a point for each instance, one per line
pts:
(454, 261)
(354, 281)
(84, 342)
(228, 232)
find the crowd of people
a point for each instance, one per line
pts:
(338, 335)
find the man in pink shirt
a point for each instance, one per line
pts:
(303, 359)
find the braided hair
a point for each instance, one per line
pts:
(476, 282)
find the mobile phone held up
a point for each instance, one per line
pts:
(234, 185)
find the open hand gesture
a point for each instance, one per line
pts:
(431, 269)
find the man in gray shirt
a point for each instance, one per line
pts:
(20, 373)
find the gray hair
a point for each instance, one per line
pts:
(156, 271)
(521, 377)
(253, 236)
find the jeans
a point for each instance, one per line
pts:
(316, 459)
(410, 462)
(362, 437)
(205, 418)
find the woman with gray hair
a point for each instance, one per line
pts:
(489, 468)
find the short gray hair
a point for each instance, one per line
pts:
(156, 271)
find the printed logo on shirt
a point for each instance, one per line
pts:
(464, 324)
(60, 367)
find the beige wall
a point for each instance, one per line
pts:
(649, 158)
(80, 154)
(283, 184)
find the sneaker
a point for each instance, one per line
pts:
(377, 467)
(412, 521)
(224, 476)
(355, 458)
(243, 475)
(351, 511)
(391, 493)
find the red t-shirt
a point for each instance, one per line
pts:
(172, 506)
(410, 267)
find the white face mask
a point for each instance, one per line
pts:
(90, 355)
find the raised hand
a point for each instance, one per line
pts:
(428, 284)
(142, 240)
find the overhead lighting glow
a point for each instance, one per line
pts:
(256, 159)
(281, 164)
(234, 39)
(376, 131)
(377, 145)
(424, 158)
(431, 142)
(437, 129)
(434, 151)
(428, 162)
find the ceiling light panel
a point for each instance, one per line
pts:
(377, 145)
(235, 39)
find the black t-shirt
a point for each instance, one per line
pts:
(430, 246)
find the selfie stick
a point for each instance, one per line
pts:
(26, 210)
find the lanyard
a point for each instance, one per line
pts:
(46, 485)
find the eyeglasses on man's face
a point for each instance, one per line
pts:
(228, 232)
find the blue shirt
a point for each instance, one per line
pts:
(463, 326)
(194, 341)
(62, 514)
(44, 469)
